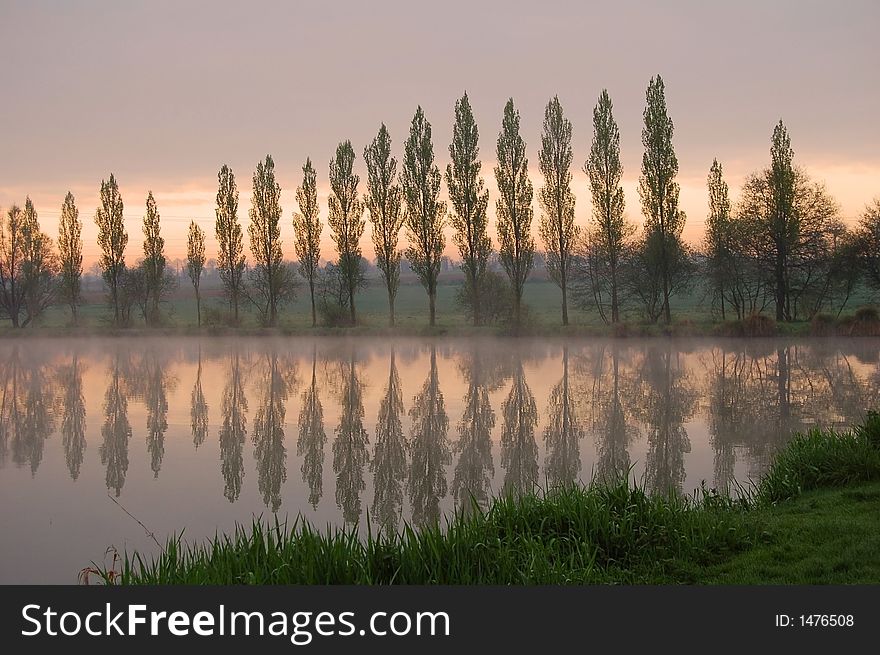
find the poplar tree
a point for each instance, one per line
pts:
(608, 231)
(557, 228)
(230, 255)
(425, 213)
(195, 262)
(346, 220)
(154, 260)
(307, 230)
(658, 190)
(469, 200)
(718, 233)
(783, 222)
(269, 276)
(70, 253)
(384, 204)
(112, 238)
(514, 206)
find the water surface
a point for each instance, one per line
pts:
(201, 433)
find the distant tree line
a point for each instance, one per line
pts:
(782, 248)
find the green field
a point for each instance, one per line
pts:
(691, 312)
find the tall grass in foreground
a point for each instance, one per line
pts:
(614, 533)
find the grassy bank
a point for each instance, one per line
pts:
(812, 519)
(692, 316)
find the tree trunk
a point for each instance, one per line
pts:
(564, 300)
(351, 304)
(780, 287)
(198, 308)
(312, 293)
(432, 296)
(615, 314)
(390, 308)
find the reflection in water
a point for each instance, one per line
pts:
(430, 449)
(670, 413)
(389, 456)
(269, 449)
(116, 430)
(233, 430)
(471, 483)
(311, 440)
(563, 434)
(198, 409)
(519, 452)
(26, 410)
(613, 434)
(73, 415)
(156, 400)
(350, 447)
(666, 401)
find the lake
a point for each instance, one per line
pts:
(203, 433)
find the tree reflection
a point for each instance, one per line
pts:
(156, 400)
(471, 482)
(563, 434)
(519, 452)
(666, 402)
(116, 431)
(269, 449)
(389, 457)
(430, 449)
(613, 433)
(198, 408)
(310, 444)
(233, 430)
(73, 415)
(27, 410)
(350, 446)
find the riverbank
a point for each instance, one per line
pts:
(811, 519)
(866, 325)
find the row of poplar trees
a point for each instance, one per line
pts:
(782, 246)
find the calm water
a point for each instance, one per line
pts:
(203, 433)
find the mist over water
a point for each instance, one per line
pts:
(197, 434)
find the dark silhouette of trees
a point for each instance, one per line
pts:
(514, 207)
(557, 228)
(425, 213)
(307, 230)
(195, 262)
(112, 238)
(70, 246)
(347, 222)
(230, 255)
(469, 200)
(383, 201)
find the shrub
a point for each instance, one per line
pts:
(823, 325)
(496, 300)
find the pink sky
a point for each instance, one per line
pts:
(162, 94)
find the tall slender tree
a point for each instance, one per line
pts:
(70, 253)
(269, 276)
(469, 200)
(112, 238)
(658, 189)
(557, 228)
(230, 255)
(307, 230)
(608, 232)
(195, 262)
(384, 203)
(783, 222)
(346, 220)
(514, 206)
(425, 213)
(718, 235)
(154, 260)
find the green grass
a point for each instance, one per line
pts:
(691, 314)
(812, 519)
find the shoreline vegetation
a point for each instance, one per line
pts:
(812, 519)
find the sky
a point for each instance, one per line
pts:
(164, 93)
